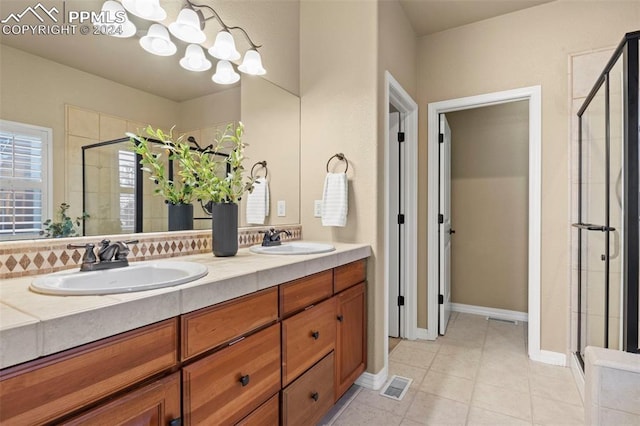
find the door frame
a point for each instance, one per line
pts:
(395, 94)
(533, 95)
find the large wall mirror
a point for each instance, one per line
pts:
(93, 88)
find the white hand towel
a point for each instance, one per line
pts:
(335, 203)
(258, 202)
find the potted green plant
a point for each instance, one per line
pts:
(214, 175)
(177, 194)
(64, 226)
(220, 182)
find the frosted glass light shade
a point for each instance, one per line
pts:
(114, 13)
(194, 59)
(252, 63)
(146, 9)
(188, 27)
(158, 42)
(224, 47)
(225, 74)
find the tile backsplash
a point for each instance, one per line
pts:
(43, 256)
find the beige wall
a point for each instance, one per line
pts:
(526, 48)
(34, 90)
(489, 205)
(397, 53)
(338, 89)
(206, 111)
(274, 137)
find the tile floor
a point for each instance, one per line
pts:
(478, 374)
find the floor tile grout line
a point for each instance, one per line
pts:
(475, 378)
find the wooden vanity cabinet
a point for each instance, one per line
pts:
(211, 327)
(306, 338)
(306, 400)
(282, 355)
(224, 387)
(351, 337)
(44, 390)
(156, 404)
(268, 414)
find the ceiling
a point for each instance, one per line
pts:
(431, 16)
(124, 61)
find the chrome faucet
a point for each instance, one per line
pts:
(110, 255)
(272, 237)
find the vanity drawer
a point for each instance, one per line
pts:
(268, 414)
(306, 338)
(349, 275)
(306, 291)
(210, 327)
(309, 398)
(43, 390)
(227, 385)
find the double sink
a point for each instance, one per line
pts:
(150, 275)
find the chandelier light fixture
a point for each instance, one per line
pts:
(189, 27)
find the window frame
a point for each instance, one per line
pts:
(47, 169)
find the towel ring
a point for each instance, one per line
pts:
(340, 156)
(263, 164)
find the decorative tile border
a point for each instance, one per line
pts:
(34, 257)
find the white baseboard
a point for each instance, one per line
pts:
(490, 312)
(424, 334)
(373, 381)
(548, 357)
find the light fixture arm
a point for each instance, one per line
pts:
(224, 26)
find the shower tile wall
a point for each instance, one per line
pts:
(85, 127)
(584, 70)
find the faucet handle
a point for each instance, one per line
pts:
(123, 249)
(89, 255)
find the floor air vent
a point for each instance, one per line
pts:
(396, 387)
(514, 322)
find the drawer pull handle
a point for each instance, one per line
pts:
(315, 396)
(315, 335)
(340, 318)
(244, 380)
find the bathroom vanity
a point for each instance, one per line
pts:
(282, 354)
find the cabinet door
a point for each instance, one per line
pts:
(224, 387)
(351, 342)
(156, 404)
(306, 338)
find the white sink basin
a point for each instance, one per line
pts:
(135, 277)
(294, 247)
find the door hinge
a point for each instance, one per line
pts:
(440, 299)
(400, 137)
(400, 300)
(440, 138)
(400, 219)
(440, 218)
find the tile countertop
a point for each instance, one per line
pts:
(34, 325)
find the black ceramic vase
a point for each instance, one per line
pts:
(180, 217)
(224, 229)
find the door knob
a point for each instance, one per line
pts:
(315, 396)
(452, 231)
(315, 335)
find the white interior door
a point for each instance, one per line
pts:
(444, 230)
(394, 237)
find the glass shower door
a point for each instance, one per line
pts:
(592, 234)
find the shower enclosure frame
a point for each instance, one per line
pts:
(139, 176)
(628, 50)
